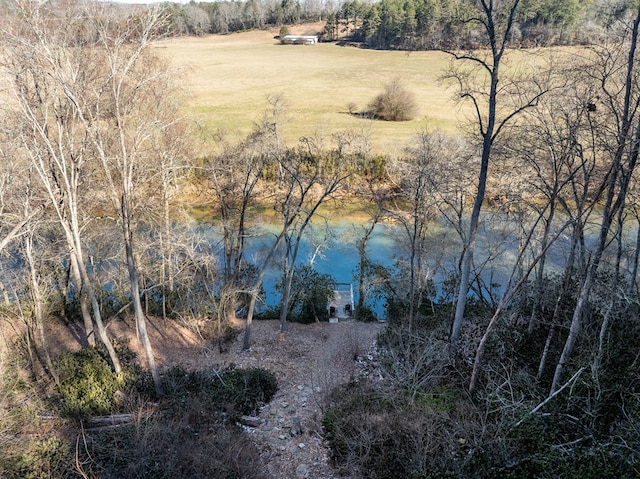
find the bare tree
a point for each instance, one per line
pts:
(369, 185)
(374, 194)
(20, 222)
(107, 100)
(234, 176)
(38, 289)
(132, 108)
(519, 275)
(171, 147)
(197, 20)
(413, 210)
(556, 159)
(310, 177)
(306, 178)
(621, 96)
(48, 72)
(478, 73)
(16, 192)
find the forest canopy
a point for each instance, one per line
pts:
(406, 24)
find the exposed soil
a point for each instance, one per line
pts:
(309, 362)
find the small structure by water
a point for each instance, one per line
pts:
(341, 306)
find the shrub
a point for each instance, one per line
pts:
(394, 104)
(170, 446)
(42, 459)
(192, 434)
(383, 436)
(555, 445)
(249, 389)
(310, 295)
(365, 314)
(234, 391)
(87, 384)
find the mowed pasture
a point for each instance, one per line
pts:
(228, 78)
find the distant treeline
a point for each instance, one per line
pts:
(434, 24)
(405, 24)
(233, 16)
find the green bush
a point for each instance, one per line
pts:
(311, 292)
(43, 459)
(365, 314)
(87, 384)
(248, 389)
(268, 312)
(234, 391)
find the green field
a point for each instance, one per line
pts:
(228, 78)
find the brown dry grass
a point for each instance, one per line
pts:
(228, 78)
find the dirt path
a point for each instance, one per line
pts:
(309, 363)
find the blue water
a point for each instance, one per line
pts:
(337, 255)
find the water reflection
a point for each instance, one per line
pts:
(332, 250)
(331, 247)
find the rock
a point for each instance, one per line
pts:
(296, 427)
(302, 471)
(250, 421)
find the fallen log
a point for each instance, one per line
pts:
(110, 420)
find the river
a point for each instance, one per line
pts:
(332, 250)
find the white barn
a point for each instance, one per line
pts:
(299, 39)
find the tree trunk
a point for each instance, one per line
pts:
(636, 258)
(134, 282)
(82, 300)
(37, 305)
(562, 294)
(506, 298)
(465, 272)
(362, 251)
(533, 320)
(246, 344)
(488, 132)
(286, 291)
(5, 294)
(87, 286)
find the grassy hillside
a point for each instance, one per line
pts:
(228, 78)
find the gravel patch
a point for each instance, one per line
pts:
(309, 363)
